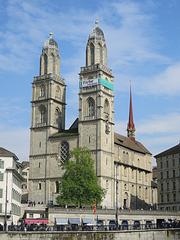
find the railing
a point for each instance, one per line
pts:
(113, 211)
(89, 227)
(89, 117)
(95, 67)
(41, 124)
(48, 76)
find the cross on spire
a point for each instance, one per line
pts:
(51, 34)
(96, 22)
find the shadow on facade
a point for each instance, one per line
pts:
(137, 203)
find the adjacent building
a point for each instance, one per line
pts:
(168, 175)
(122, 164)
(10, 187)
(25, 182)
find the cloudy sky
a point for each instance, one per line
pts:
(143, 40)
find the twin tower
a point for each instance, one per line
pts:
(50, 142)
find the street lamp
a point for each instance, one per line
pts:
(116, 193)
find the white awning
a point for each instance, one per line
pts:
(75, 221)
(62, 221)
(88, 221)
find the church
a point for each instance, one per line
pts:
(123, 165)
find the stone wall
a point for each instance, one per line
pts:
(126, 235)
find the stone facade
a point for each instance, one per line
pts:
(122, 164)
(25, 182)
(168, 175)
(170, 234)
(10, 187)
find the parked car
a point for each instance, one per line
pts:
(136, 225)
(124, 225)
(148, 224)
(100, 225)
(112, 225)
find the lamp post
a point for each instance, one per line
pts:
(136, 188)
(116, 193)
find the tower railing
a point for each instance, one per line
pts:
(41, 124)
(96, 67)
(49, 76)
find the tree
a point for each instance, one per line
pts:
(79, 184)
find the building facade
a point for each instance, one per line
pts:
(168, 175)
(25, 182)
(10, 187)
(122, 164)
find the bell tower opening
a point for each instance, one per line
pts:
(92, 53)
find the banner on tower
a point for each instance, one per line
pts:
(89, 82)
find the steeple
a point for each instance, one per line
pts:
(50, 60)
(96, 51)
(131, 127)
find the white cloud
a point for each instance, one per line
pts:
(157, 133)
(131, 40)
(159, 124)
(16, 141)
(167, 82)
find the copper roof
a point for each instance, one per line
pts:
(131, 125)
(130, 144)
(5, 153)
(170, 151)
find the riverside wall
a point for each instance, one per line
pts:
(165, 234)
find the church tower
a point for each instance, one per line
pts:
(48, 116)
(96, 110)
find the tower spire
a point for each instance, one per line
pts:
(131, 127)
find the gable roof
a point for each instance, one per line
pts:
(72, 131)
(5, 153)
(170, 151)
(130, 144)
(75, 124)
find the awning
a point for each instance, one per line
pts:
(75, 221)
(88, 221)
(35, 221)
(62, 221)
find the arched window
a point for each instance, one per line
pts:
(58, 92)
(53, 62)
(91, 107)
(92, 53)
(58, 118)
(146, 193)
(45, 63)
(100, 53)
(39, 186)
(64, 151)
(42, 91)
(140, 191)
(104, 55)
(56, 187)
(42, 110)
(106, 108)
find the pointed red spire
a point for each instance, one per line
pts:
(131, 127)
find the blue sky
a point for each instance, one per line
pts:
(143, 40)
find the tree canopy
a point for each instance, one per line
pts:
(79, 184)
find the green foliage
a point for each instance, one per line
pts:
(79, 184)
